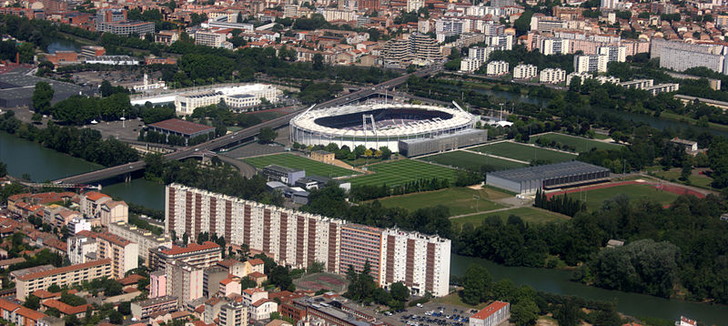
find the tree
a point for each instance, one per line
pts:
(32, 302)
(116, 317)
(524, 312)
(476, 285)
(568, 314)
(42, 96)
(106, 89)
(3, 169)
(399, 291)
(54, 288)
(318, 61)
(267, 135)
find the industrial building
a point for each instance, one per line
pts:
(182, 128)
(422, 146)
(528, 180)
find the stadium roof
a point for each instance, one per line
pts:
(549, 171)
(307, 120)
(445, 136)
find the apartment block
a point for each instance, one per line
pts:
(291, 237)
(184, 281)
(496, 68)
(144, 309)
(681, 56)
(16, 314)
(590, 63)
(551, 46)
(62, 276)
(146, 240)
(210, 38)
(552, 75)
(613, 53)
(198, 255)
(525, 71)
(421, 261)
(88, 246)
(233, 314)
(470, 65)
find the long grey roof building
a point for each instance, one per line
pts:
(528, 180)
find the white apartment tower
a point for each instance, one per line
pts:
(496, 68)
(299, 239)
(552, 76)
(525, 71)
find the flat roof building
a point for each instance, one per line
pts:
(62, 276)
(198, 255)
(147, 240)
(528, 180)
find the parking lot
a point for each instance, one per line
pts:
(429, 314)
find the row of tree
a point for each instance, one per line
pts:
(84, 143)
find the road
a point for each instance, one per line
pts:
(220, 142)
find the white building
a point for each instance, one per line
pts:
(552, 76)
(144, 238)
(500, 42)
(184, 281)
(299, 239)
(584, 76)
(470, 65)
(590, 63)
(525, 71)
(212, 39)
(551, 46)
(613, 53)
(414, 5)
(496, 68)
(77, 225)
(492, 315)
(236, 97)
(401, 248)
(113, 60)
(89, 246)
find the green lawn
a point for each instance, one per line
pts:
(594, 198)
(581, 144)
(402, 171)
(458, 200)
(524, 152)
(471, 161)
(696, 179)
(297, 162)
(529, 215)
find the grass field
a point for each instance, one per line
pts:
(403, 171)
(458, 200)
(525, 153)
(594, 198)
(529, 215)
(696, 179)
(581, 144)
(471, 161)
(297, 162)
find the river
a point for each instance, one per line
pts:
(557, 281)
(42, 164)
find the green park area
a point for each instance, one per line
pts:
(595, 198)
(402, 171)
(695, 178)
(525, 153)
(458, 200)
(528, 214)
(581, 144)
(298, 162)
(472, 161)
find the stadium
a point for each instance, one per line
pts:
(374, 126)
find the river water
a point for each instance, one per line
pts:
(42, 164)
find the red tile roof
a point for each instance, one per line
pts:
(192, 247)
(43, 294)
(182, 126)
(95, 195)
(64, 308)
(8, 306)
(115, 239)
(256, 261)
(255, 275)
(489, 310)
(131, 279)
(260, 302)
(30, 314)
(65, 269)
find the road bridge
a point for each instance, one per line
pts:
(238, 136)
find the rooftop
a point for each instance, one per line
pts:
(182, 126)
(64, 269)
(192, 247)
(548, 171)
(489, 310)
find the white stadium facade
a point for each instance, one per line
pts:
(377, 125)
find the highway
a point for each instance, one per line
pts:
(212, 145)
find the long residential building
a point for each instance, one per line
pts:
(299, 239)
(146, 240)
(62, 276)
